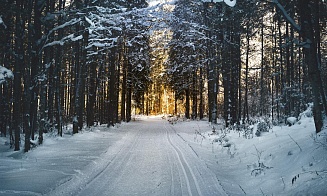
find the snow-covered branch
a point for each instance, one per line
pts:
(2, 23)
(5, 75)
(287, 16)
(230, 3)
(68, 23)
(61, 42)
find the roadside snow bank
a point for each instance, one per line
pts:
(57, 160)
(284, 161)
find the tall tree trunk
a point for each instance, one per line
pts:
(82, 79)
(262, 91)
(57, 76)
(311, 59)
(317, 31)
(78, 83)
(226, 84)
(36, 63)
(194, 96)
(129, 94)
(118, 64)
(239, 76)
(187, 103)
(92, 92)
(28, 87)
(6, 61)
(201, 105)
(212, 86)
(112, 88)
(280, 82)
(246, 103)
(19, 63)
(124, 83)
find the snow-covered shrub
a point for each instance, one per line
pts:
(262, 127)
(291, 121)
(172, 119)
(5, 75)
(260, 169)
(246, 130)
(308, 112)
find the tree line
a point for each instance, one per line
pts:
(262, 59)
(90, 62)
(72, 61)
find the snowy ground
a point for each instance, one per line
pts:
(152, 157)
(285, 161)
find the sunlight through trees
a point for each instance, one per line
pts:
(100, 62)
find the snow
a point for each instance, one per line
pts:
(2, 23)
(61, 42)
(89, 21)
(230, 3)
(291, 120)
(5, 74)
(153, 3)
(76, 38)
(150, 156)
(284, 161)
(52, 163)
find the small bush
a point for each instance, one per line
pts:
(262, 127)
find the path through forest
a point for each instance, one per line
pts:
(151, 159)
(145, 157)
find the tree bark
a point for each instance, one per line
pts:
(19, 63)
(311, 59)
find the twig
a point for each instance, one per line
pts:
(258, 153)
(283, 183)
(295, 143)
(320, 144)
(242, 189)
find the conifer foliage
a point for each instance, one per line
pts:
(87, 62)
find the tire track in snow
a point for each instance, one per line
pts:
(190, 178)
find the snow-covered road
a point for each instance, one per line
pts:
(144, 157)
(149, 156)
(151, 159)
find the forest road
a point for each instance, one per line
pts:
(151, 159)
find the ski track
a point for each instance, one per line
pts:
(80, 181)
(12, 192)
(174, 168)
(203, 165)
(187, 171)
(118, 163)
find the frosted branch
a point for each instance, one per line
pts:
(287, 16)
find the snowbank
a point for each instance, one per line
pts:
(284, 161)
